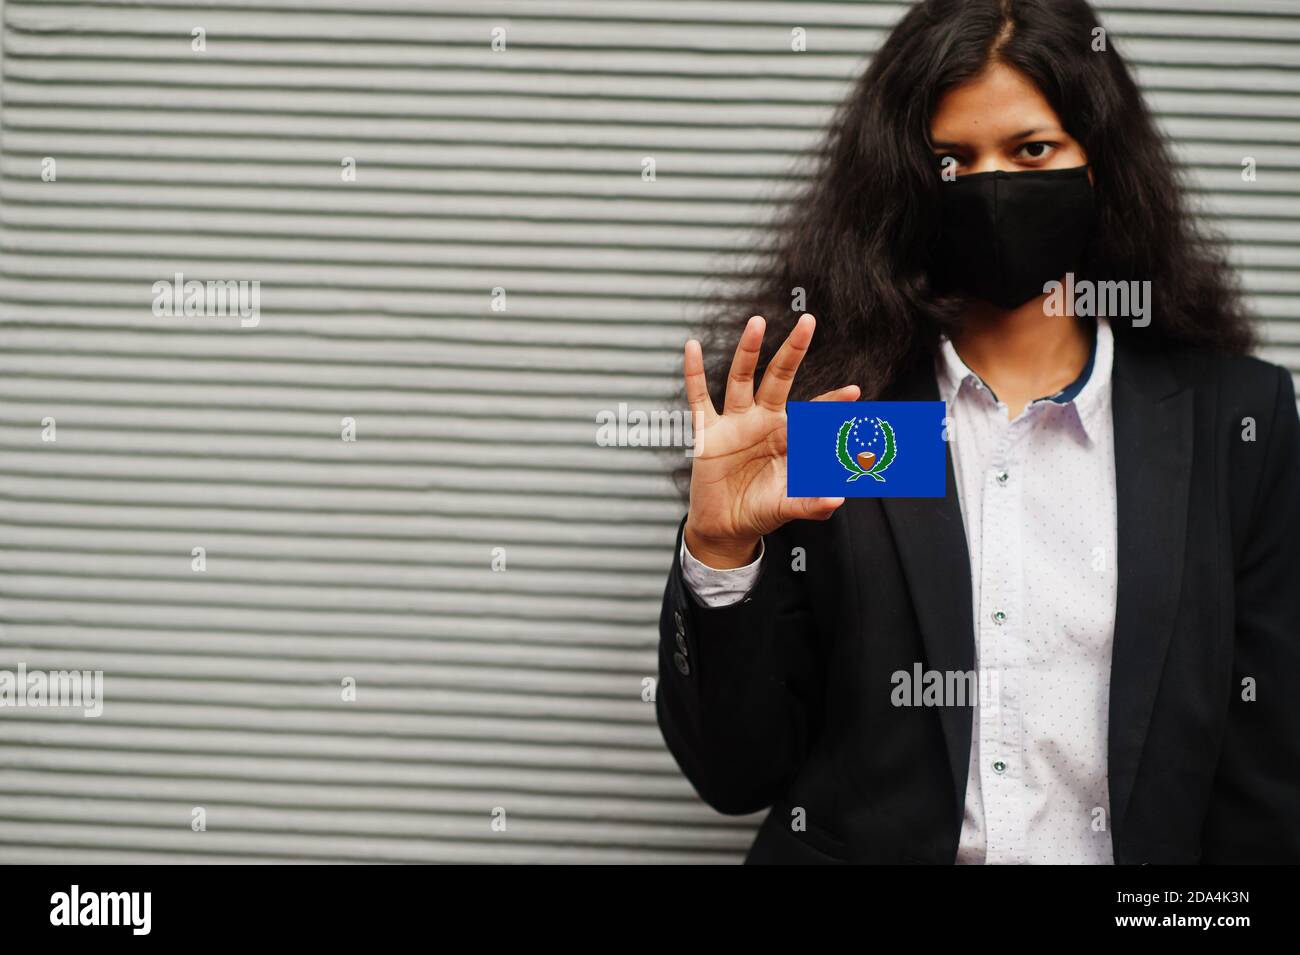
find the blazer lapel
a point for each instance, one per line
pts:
(931, 542)
(1153, 461)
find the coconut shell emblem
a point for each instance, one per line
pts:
(866, 463)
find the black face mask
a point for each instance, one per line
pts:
(1005, 234)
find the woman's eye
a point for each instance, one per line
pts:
(1036, 150)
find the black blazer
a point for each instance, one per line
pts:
(783, 699)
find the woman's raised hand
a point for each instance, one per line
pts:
(738, 473)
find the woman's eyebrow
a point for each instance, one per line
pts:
(1036, 130)
(1032, 131)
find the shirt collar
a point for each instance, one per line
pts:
(1086, 394)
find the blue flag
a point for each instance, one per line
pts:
(865, 449)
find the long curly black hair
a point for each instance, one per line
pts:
(858, 238)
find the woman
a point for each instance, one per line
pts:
(1117, 556)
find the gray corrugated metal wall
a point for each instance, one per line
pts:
(372, 559)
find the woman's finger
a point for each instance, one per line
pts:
(847, 393)
(697, 386)
(740, 380)
(809, 508)
(775, 388)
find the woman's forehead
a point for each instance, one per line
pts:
(1000, 102)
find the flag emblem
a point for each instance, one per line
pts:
(851, 447)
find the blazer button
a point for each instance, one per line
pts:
(681, 643)
(683, 667)
(677, 619)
